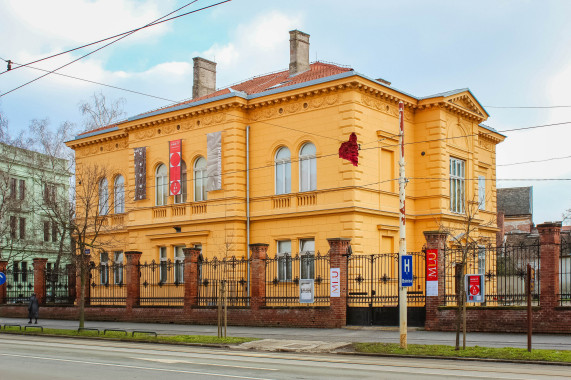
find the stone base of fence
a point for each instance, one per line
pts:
(268, 317)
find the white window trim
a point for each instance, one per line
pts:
(182, 197)
(163, 265)
(457, 185)
(161, 187)
(281, 167)
(119, 195)
(178, 265)
(283, 261)
(103, 197)
(118, 267)
(199, 177)
(308, 160)
(301, 261)
(481, 192)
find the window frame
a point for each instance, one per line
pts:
(283, 262)
(481, 192)
(104, 268)
(161, 185)
(306, 260)
(119, 194)
(178, 255)
(46, 231)
(481, 259)
(307, 168)
(118, 260)
(163, 265)
(103, 196)
(200, 178)
(182, 197)
(282, 168)
(457, 185)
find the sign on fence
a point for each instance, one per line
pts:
(335, 281)
(306, 291)
(474, 288)
(406, 271)
(431, 272)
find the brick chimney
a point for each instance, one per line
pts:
(298, 52)
(204, 77)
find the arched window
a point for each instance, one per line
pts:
(119, 194)
(103, 197)
(161, 185)
(181, 197)
(283, 171)
(200, 179)
(307, 168)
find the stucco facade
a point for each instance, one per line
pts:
(321, 106)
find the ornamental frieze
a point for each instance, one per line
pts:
(269, 112)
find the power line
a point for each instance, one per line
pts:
(96, 42)
(528, 107)
(534, 161)
(112, 42)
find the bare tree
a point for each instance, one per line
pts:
(99, 112)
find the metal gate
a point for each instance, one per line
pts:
(372, 289)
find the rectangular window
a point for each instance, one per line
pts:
(22, 228)
(54, 232)
(163, 265)
(481, 192)
(104, 268)
(13, 226)
(307, 256)
(178, 265)
(49, 193)
(284, 260)
(24, 271)
(22, 189)
(481, 260)
(46, 231)
(13, 183)
(118, 267)
(16, 270)
(457, 185)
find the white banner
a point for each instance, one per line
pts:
(335, 281)
(214, 161)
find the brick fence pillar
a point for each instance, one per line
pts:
(191, 276)
(258, 275)
(133, 279)
(338, 252)
(84, 263)
(435, 240)
(3, 293)
(550, 248)
(71, 282)
(40, 279)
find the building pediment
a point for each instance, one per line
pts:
(466, 101)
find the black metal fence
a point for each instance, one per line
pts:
(283, 274)
(162, 284)
(57, 284)
(107, 282)
(504, 269)
(373, 280)
(565, 274)
(19, 282)
(233, 272)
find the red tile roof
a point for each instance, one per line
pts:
(263, 83)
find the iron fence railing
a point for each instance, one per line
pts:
(283, 274)
(233, 272)
(107, 283)
(19, 282)
(504, 269)
(162, 283)
(373, 280)
(58, 290)
(565, 274)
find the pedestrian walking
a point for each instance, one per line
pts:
(33, 308)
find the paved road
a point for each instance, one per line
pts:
(363, 334)
(31, 358)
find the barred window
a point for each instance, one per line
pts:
(163, 265)
(104, 268)
(307, 255)
(118, 267)
(178, 265)
(284, 260)
(457, 185)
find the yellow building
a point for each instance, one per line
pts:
(281, 180)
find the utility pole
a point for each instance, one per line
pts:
(402, 233)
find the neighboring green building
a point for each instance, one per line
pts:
(34, 197)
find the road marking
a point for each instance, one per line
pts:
(134, 367)
(174, 361)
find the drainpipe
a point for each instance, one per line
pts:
(248, 201)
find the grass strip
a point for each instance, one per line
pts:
(503, 353)
(192, 339)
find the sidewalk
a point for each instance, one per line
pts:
(297, 338)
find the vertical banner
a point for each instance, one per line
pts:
(335, 281)
(140, 173)
(174, 166)
(214, 161)
(431, 272)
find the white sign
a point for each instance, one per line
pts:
(335, 281)
(306, 291)
(431, 288)
(214, 161)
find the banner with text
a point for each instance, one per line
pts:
(175, 166)
(140, 173)
(335, 281)
(431, 272)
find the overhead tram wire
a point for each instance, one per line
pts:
(527, 107)
(106, 39)
(110, 43)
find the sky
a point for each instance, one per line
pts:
(509, 53)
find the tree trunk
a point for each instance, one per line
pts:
(82, 279)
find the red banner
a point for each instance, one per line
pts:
(431, 265)
(175, 168)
